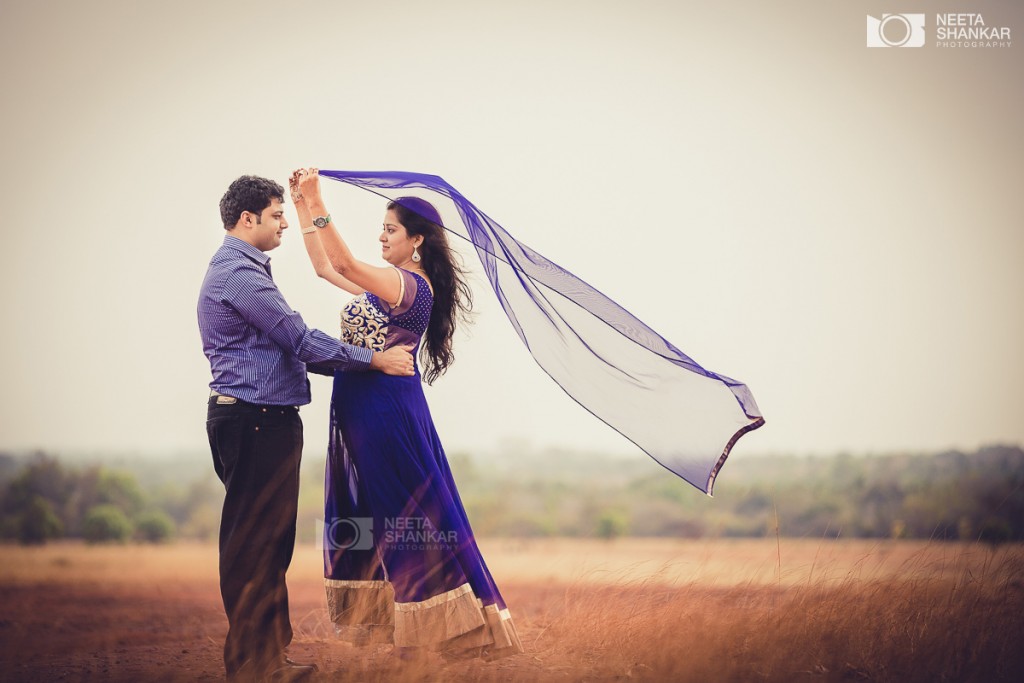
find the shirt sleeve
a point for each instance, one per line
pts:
(257, 299)
(318, 369)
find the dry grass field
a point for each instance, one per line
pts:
(645, 610)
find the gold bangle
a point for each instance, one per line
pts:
(310, 229)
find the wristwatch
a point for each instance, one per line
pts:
(322, 221)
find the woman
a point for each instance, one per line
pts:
(401, 563)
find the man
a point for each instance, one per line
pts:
(258, 349)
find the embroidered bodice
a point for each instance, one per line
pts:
(372, 323)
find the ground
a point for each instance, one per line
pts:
(651, 610)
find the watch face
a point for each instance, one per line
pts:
(320, 222)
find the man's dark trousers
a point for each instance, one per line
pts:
(256, 453)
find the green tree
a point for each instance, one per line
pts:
(611, 524)
(154, 526)
(106, 523)
(120, 489)
(38, 522)
(43, 476)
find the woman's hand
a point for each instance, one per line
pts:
(309, 183)
(293, 186)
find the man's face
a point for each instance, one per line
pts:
(266, 234)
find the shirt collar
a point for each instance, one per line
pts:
(247, 249)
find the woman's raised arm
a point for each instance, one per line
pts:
(384, 282)
(311, 240)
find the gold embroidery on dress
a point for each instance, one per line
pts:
(362, 324)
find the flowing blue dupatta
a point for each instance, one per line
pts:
(685, 417)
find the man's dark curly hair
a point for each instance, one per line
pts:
(248, 193)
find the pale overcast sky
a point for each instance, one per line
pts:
(840, 227)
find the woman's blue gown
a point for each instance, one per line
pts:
(400, 560)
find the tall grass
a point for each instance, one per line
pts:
(948, 614)
(765, 610)
(892, 630)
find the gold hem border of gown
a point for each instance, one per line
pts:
(451, 622)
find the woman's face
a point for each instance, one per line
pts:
(396, 245)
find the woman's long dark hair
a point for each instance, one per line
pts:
(453, 299)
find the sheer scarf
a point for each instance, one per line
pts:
(683, 416)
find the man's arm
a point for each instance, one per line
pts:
(394, 361)
(318, 369)
(258, 300)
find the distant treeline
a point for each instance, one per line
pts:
(43, 498)
(950, 495)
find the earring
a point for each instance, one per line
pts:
(415, 255)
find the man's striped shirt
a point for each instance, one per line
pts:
(257, 345)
